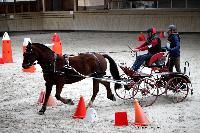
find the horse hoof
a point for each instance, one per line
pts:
(112, 97)
(69, 101)
(41, 113)
(90, 105)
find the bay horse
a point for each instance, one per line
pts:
(59, 70)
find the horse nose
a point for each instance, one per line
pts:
(24, 66)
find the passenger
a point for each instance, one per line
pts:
(152, 44)
(173, 46)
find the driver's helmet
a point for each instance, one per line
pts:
(151, 32)
(172, 27)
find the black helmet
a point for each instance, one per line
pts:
(172, 27)
(152, 30)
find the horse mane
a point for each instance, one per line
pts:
(42, 46)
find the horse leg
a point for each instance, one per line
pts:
(48, 92)
(95, 91)
(59, 88)
(109, 91)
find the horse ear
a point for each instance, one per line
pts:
(29, 43)
(28, 47)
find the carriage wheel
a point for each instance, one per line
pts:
(147, 92)
(161, 84)
(126, 91)
(177, 88)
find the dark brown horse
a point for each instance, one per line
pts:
(59, 70)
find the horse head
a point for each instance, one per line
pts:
(29, 56)
(38, 52)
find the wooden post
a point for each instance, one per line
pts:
(118, 4)
(43, 5)
(84, 7)
(75, 5)
(131, 4)
(171, 4)
(157, 4)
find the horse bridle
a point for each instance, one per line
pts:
(28, 53)
(52, 62)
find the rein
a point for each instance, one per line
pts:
(112, 52)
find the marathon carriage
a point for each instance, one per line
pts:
(147, 87)
(59, 70)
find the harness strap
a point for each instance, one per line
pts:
(100, 72)
(66, 58)
(54, 63)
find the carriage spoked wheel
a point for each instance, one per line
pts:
(147, 92)
(125, 92)
(177, 89)
(161, 84)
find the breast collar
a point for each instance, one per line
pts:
(50, 66)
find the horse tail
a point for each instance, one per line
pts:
(113, 70)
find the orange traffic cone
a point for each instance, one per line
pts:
(51, 100)
(6, 49)
(25, 43)
(1, 61)
(140, 118)
(162, 34)
(81, 109)
(57, 47)
(121, 119)
(30, 69)
(141, 37)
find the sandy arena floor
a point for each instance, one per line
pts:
(19, 91)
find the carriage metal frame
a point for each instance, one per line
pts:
(148, 87)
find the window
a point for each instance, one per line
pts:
(164, 4)
(145, 4)
(193, 3)
(178, 4)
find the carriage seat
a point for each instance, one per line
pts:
(157, 60)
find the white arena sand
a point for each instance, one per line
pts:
(19, 91)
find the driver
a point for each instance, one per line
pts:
(152, 44)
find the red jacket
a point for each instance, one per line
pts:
(153, 46)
